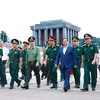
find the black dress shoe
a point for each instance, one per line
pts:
(22, 78)
(75, 86)
(48, 83)
(6, 82)
(85, 89)
(25, 87)
(38, 86)
(56, 87)
(2, 85)
(52, 87)
(93, 89)
(19, 84)
(65, 89)
(68, 88)
(10, 87)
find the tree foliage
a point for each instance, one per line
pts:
(3, 36)
(94, 40)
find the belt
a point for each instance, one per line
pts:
(51, 58)
(14, 61)
(88, 59)
(31, 62)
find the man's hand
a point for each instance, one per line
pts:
(20, 67)
(6, 65)
(37, 64)
(55, 65)
(45, 63)
(75, 66)
(93, 62)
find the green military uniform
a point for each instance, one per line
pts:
(89, 52)
(14, 58)
(1, 69)
(32, 57)
(76, 71)
(52, 52)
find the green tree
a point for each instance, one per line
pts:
(3, 36)
(94, 40)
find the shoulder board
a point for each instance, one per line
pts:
(83, 45)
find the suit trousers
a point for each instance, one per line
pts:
(66, 75)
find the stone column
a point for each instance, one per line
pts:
(36, 38)
(57, 35)
(51, 32)
(68, 34)
(73, 33)
(64, 33)
(34, 31)
(45, 36)
(71, 36)
(76, 33)
(39, 37)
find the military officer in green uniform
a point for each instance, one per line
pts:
(23, 70)
(89, 56)
(15, 62)
(78, 51)
(51, 53)
(1, 67)
(33, 59)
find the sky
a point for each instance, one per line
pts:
(16, 16)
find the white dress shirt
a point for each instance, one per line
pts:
(64, 49)
(5, 53)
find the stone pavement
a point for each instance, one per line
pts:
(45, 93)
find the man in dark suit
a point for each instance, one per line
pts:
(67, 57)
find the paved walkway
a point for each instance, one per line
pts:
(45, 93)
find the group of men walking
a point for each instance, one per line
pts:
(68, 58)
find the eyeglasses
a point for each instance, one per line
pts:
(87, 38)
(75, 41)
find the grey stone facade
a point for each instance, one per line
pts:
(57, 28)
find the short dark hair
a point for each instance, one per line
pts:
(64, 38)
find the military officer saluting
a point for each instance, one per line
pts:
(89, 56)
(78, 51)
(24, 51)
(15, 62)
(51, 53)
(33, 59)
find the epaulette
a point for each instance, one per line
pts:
(83, 45)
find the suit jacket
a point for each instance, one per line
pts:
(68, 59)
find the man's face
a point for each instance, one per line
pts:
(51, 42)
(65, 42)
(31, 43)
(88, 40)
(75, 43)
(15, 45)
(25, 46)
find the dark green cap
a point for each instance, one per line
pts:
(14, 41)
(87, 35)
(31, 39)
